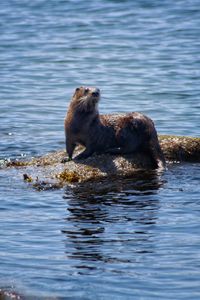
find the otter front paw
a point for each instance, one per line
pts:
(83, 155)
(66, 159)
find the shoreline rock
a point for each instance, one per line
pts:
(48, 171)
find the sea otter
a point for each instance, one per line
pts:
(122, 133)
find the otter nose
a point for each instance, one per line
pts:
(96, 93)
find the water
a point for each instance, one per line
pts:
(140, 238)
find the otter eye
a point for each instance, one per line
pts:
(77, 89)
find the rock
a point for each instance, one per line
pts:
(49, 171)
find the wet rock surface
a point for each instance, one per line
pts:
(50, 172)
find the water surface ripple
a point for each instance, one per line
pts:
(137, 238)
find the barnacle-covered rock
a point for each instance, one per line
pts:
(49, 171)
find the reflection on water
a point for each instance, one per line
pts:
(119, 216)
(131, 237)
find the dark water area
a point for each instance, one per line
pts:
(137, 238)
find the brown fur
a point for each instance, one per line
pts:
(112, 133)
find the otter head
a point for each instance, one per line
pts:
(86, 99)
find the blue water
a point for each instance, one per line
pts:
(140, 238)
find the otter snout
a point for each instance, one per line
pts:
(96, 92)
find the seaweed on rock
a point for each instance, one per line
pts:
(48, 171)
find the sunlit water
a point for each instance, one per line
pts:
(138, 239)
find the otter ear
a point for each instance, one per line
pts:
(76, 91)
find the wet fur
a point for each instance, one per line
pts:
(113, 133)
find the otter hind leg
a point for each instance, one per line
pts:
(157, 157)
(129, 141)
